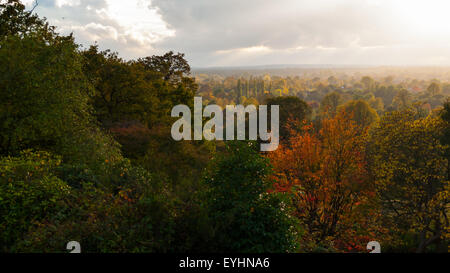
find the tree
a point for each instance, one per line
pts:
(330, 103)
(291, 108)
(325, 172)
(15, 20)
(246, 217)
(368, 83)
(410, 170)
(434, 89)
(44, 95)
(361, 112)
(387, 94)
(377, 104)
(239, 91)
(123, 90)
(173, 68)
(133, 91)
(445, 115)
(402, 100)
(332, 80)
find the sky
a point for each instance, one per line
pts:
(262, 32)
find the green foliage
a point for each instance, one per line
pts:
(40, 93)
(361, 112)
(122, 91)
(44, 95)
(330, 103)
(291, 108)
(434, 89)
(402, 100)
(246, 217)
(30, 194)
(15, 20)
(44, 101)
(408, 163)
(143, 90)
(172, 67)
(376, 104)
(445, 115)
(368, 83)
(134, 217)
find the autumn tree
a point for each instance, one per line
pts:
(325, 172)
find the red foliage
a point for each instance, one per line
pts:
(325, 170)
(134, 138)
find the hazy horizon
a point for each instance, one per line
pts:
(317, 65)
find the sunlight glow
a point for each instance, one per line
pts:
(250, 50)
(426, 17)
(138, 20)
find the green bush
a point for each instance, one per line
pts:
(29, 194)
(134, 215)
(246, 217)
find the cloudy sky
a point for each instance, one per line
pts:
(257, 32)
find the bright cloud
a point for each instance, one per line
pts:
(130, 27)
(137, 20)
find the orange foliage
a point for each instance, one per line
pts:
(324, 169)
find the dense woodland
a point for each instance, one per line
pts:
(86, 155)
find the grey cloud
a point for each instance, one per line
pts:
(206, 26)
(76, 13)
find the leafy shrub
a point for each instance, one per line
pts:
(29, 193)
(246, 217)
(133, 216)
